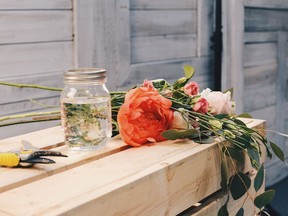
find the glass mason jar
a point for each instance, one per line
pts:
(86, 109)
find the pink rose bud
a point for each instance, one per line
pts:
(148, 84)
(201, 106)
(191, 88)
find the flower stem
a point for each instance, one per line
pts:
(31, 86)
(26, 115)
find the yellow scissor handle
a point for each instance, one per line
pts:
(9, 159)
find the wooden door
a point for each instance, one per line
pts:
(255, 60)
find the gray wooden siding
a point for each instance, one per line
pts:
(153, 39)
(36, 46)
(265, 57)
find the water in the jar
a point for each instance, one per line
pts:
(86, 122)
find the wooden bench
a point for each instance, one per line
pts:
(162, 179)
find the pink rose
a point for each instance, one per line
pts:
(148, 84)
(191, 88)
(219, 102)
(201, 106)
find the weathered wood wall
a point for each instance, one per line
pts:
(152, 39)
(255, 58)
(265, 71)
(36, 46)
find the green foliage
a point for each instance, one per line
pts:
(180, 134)
(277, 151)
(244, 115)
(234, 153)
(259, 179)
(239, 184)
(223, 211)
(240, 212)
(263, 199)
(224, 174)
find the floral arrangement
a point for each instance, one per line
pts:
(156, 110)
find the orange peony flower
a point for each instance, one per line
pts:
(144, 115)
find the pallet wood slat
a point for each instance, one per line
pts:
(157, 48)
(270, 4)
(159, 22)
(35, 26)
(265, 20)
(164, 4)
(35, 58)
(256, 54)
(162, 179)
(260, 37)
(35, 4)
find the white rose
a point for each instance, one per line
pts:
(179, 122)
(219, 103)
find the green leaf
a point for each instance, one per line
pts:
(277, 151)
(234, 153)
(240, 212)
(265, 198)
(229, 90)
(239, 122)
(254, 158)
(242, 141)
(223, 211)
(244, 115)
(259, 179)
(189, 71)
(180, 134)
(239, 184)
(224, 174)
(208, 140)
(221, 116)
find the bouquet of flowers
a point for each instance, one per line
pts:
(157, 110)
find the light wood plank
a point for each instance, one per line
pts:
(265, 20)
(35, 4)
(158, 22)
(35, 26)
(24, 59)
(164, 4)
(164, 168)
(157, 48)
(211, 206)
(274, 4)
(257, 54)
(260, 37)
(49, 139)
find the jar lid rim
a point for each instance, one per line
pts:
(85, 74)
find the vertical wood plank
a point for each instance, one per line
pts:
(84, 32)
(199, 32)
(123, 42)
(281, 87)
(233, 34)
